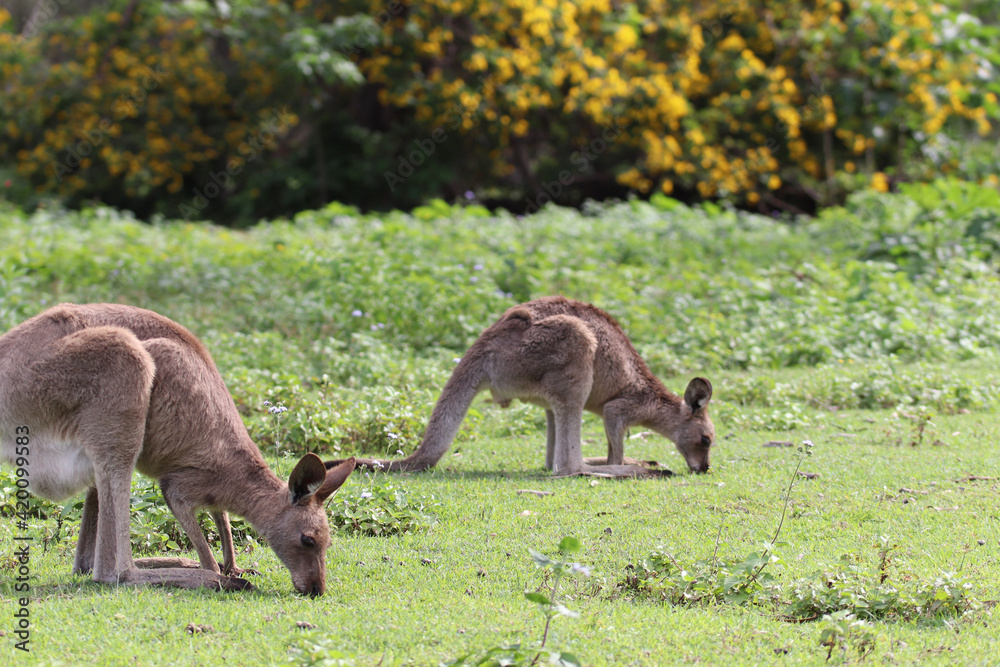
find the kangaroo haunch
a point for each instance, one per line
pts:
(567, 357)
(90, 392)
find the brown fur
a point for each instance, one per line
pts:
(104, 389)
(568, 356)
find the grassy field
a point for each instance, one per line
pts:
(870, 332)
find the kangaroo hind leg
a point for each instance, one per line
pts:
(563, 348)
(93, 385)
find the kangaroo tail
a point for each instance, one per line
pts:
(449, 411)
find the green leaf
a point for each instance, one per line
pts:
(569, 545)
(541, 560)
(569, 660)
(537, 598)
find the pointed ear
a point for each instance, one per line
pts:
(334, 479)
(307, 477)
(698, 394)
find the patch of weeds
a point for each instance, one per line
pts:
(382, 422)
(844, 594)
(315, 650)
(883, 384)
(326, 418)
(666, 579)
(758, 390)
(312, 422)
(841, 630)
(947, 595)
(866, 595)
(39, 508)
(786, 416)
(663, 361)
(744, 581)
(380, 507)
(878, 384)
(920, 430)
(517, 655)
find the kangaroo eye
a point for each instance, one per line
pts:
(706, 441)
(308, 541)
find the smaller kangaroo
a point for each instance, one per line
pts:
(89, 393)
(567, 357)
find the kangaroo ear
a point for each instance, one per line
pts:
(334, 479)
(307, 477)
(698, 394)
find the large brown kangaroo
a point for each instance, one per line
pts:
(567, 357)
(90, 392)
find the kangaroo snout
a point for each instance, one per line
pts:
(313, 589)
(313, 586)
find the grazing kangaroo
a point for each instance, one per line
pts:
(568, 356)
(90, 392)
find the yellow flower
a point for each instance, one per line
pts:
(879, 182)
(625, 38)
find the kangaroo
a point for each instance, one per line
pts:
(567, 356)
(90, 392)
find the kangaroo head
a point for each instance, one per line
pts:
(300, 534)
(695, 433)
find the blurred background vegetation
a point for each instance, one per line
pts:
(237, 110)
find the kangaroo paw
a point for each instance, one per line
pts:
(240, 571)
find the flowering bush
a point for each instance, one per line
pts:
(156, 108)
(717, 99)
(169, 107)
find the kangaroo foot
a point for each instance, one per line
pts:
(629, 461)
(597, 466)
(156, 563)
(618, 472)
(235, 584)
(240, 571)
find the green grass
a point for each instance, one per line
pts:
(383, 601)
(877, 344)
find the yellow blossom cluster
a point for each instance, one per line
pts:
(95, 107)
(733, 99)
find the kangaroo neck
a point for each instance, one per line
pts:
(254, 491)
(656, 407)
